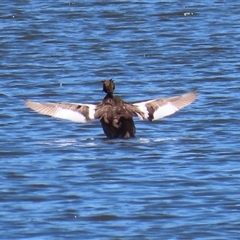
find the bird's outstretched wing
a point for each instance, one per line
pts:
(162, 107)
(151, 110)
(70, 111)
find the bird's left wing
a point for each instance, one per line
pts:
(70, 111)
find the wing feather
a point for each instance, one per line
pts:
(158, 108)
(70, 111)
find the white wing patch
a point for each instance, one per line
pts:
(70, 115)
(161, 112)
(164, 111)
(142, 107)
(92, 110)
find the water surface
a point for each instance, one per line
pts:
(178, 179)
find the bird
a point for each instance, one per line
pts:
(115, 115)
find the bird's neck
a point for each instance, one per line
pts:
(109, 95)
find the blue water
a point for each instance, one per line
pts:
(178, 179)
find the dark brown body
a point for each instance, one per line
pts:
(116, 118)
(125, 129)
(114, 115)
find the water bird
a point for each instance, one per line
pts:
(116, 115)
